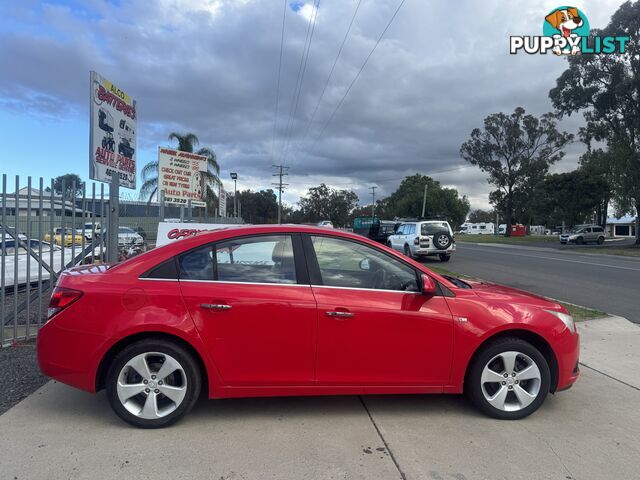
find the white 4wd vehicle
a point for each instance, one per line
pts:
(424, 238)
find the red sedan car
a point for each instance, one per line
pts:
(292, 310)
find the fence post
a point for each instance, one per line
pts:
(114, 211)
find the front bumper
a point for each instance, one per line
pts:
(568, 356)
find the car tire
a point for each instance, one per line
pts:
(580, 241)
(521, 391)
(444, 257)
(139, 399)
(600, 240)
(407, 251)
(442, 240)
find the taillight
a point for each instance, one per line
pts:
(61, 298)
(416, 241)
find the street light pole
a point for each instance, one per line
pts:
(234, 177)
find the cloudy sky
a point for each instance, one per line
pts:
(211, 67)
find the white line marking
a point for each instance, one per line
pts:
(561, 260)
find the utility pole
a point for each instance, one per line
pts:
(373, 201)
(424, 200)
(281, 171)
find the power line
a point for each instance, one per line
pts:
(335, 62)
(281, 172)
(301, 72)
(275, 116)
(355, 79)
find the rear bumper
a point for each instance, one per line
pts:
(69, 356)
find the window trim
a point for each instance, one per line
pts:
(316, 277)
(300, 264)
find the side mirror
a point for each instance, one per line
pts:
(364, 264)
(428, 286)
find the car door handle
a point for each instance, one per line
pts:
(215, 306)
(340, 314)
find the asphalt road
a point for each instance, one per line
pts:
(604, 282)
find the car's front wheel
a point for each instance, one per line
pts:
(153, 383)
(509, 379)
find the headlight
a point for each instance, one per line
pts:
(573, 237)
(565, 318)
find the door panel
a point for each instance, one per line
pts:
(255, 316)
(393, 338)
(375, 327)
(267, 337)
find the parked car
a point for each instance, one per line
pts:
(584, 234)
(64, 238)
(293, 310)
(90, 229)
(127, 237)
(325, 223)
(23, 257)
(374, 228)
(424, 238)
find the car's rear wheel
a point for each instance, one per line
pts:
(600, 240)
(407, 251)
(509, 379)
(153, 383)
(444, 257)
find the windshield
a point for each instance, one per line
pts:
(433, 228)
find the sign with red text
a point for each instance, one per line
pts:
(171, 231)
(180, 176)
(112, 133)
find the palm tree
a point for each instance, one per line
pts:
(186, 143)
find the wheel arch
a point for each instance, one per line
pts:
(110, 354)
(534, 339)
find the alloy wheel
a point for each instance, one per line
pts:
(151, 385)
(510, 381)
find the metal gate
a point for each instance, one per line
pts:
(44, 230)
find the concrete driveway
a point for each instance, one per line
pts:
(588, 432)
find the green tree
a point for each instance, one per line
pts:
(481, 216)
(259, 207)
(324, 203)
(600, 163)
(570, 197)
(68, 179)
(516, 151)
(407, 200)
(186, 143)
(606, 88)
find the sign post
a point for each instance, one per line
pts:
(114, 211)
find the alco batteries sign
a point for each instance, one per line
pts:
(112, 133)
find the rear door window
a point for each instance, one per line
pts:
(261, 259)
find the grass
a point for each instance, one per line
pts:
(630, 251)
(526, 240)
(578, 313)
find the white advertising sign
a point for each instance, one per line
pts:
(180, 175)
(112, 133)
(172, 231)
